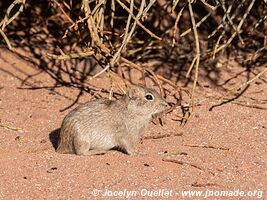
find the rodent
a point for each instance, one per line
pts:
(101, 125)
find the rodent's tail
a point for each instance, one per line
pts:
(65, 142)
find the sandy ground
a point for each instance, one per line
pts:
(219, 150)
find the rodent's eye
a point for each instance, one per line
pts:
(149, 97)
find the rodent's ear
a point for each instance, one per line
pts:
(134, 91)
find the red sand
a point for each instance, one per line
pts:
(219, 150)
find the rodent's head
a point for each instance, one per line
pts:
(145, 101)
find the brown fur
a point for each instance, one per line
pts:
(100, 125)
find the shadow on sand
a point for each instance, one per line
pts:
(54, 137)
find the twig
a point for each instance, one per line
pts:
(10, 127)
(196, 184)
(238, 29)
(197, 56)
(137, 21)
(238, 87)
(200, 22)
(8, 20)
(74, 25)
(72, 55)
(158, 76)
(174, 4)
(154, 137)
(90, 53)
(230, 20)
(182, 163)
(63, 11)
(224, 17)
(156, 80)
(191, 67)
(147, 8)
(127, 36)
(112, 7)
(258, 23)
(176, 24)
(225, 24)
(6, 39)
(185, 163)
(101, 72)
(127, 33)
(208, 5)
(218, 43)
(99, 17)
(92, 29)
(251, 105)
(207, 146)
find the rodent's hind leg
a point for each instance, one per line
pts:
(81, 147)
(129, 148)
(95, 152)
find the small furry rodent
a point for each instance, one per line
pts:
(100, 125)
